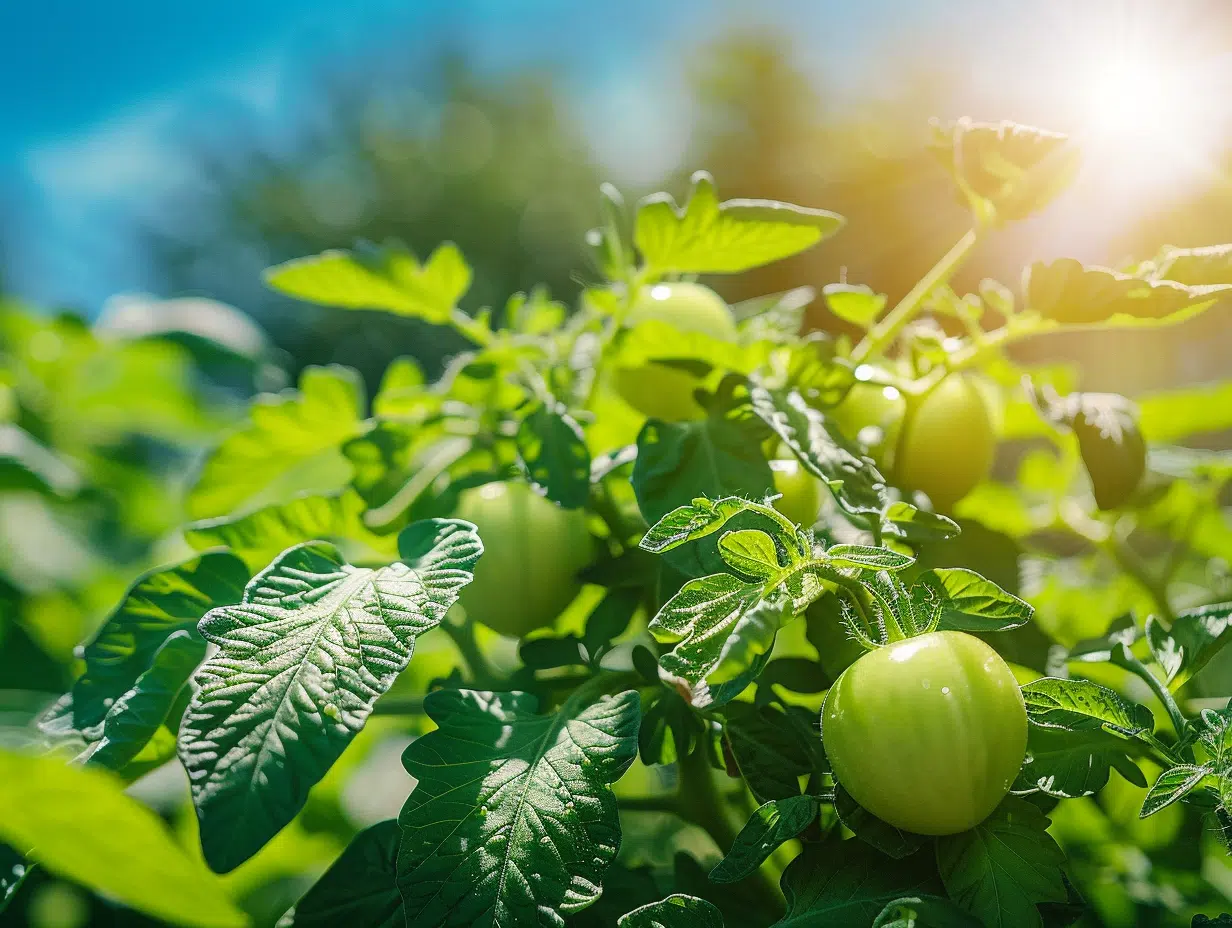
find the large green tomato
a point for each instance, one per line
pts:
(927, 733)
(947, 442)
(533, 551)
(801, 491)
(660, 390)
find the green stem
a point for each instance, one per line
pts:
(1125, 658)
(884, 332)
(463, 635)
(481, 335)
(399, 705)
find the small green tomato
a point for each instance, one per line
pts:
(660, 390)
(533, 551)
(927, 733)
(801, 491)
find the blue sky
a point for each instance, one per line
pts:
(95, 94)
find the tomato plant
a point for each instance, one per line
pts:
(286, 597)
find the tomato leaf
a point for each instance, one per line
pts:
(915, 525)
(669, 729)
(772, 824)
(290, 444)
(359, 888)
(160, 603)
(703, 517)
(1067, 292)
(1172, 785)
(854, 480)
(388, 278)
(768, 749)
(750, 552)
(835, 884)
(1194, 637)
(709, 237)
(1067, 764)
(970, 603)
(80, 826)
(532, 791)
(858, 304)
(261, 535)
(1175, 415)
(1002, 867)
(1080, 705)
(867, 557)
(892, 841)
(554, 455)
(676, 911)
(301, 662)
(14, 869)
(1196, 267)
(924, 912)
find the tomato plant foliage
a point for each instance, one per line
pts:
(634, 685)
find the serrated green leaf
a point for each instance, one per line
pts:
(135, 716)
(1080, 705)
(78, 823)
(676, 911)
(548, 651)
(290, 444)
(914, 525)
(716, 457)
(554, 455)
(360, 889)
(1173, 785)
(1002, 867)
(696, 520)
(751, 552)
(301, 661)
(1068, 764)
(888, 839)
(968, 602)
(261, 535)
(867, 557)
(772, 824)
(841, 884)
(389, 279)
(670, 729)
(1194, 637)
(855, 303)
(853, 479)
(1068, 292)
(768, 749)
(156, 606)
(512, 820)
(709, 237)
(401, 392)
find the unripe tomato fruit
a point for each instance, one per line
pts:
(660, 390)
(947, 442)
(532, 553)
(871, 414)
(927, 733)
(801, 491)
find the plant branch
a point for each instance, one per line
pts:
(1123, 657)
(882, 335)
(463, 635)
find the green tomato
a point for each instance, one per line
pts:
(533, 551)
(947, 442)
(871, 414)
(927, 733)
(660, 390)
(801, 491)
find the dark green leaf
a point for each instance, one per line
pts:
(548, 651)
(301, 662)
(768, 750)
(924, 912)
(1002, 867)
(554, 455)
(676, 911)
(1066, 764)
(1195, 636)
(133, 719)
(709, 237)
(360, 889)
(512, 820)
(843, 884)
(970, 603)
(669, 729)
(890, 840)
(1111, 444)
(853, 479)
(716, 457)
(774, 823)
(718, 627)
(1173, 784)
(78, 823)
(156, 606)
(798, 674)
(13, 872)
(608, 620)
(1080, 705)
(389, 279)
